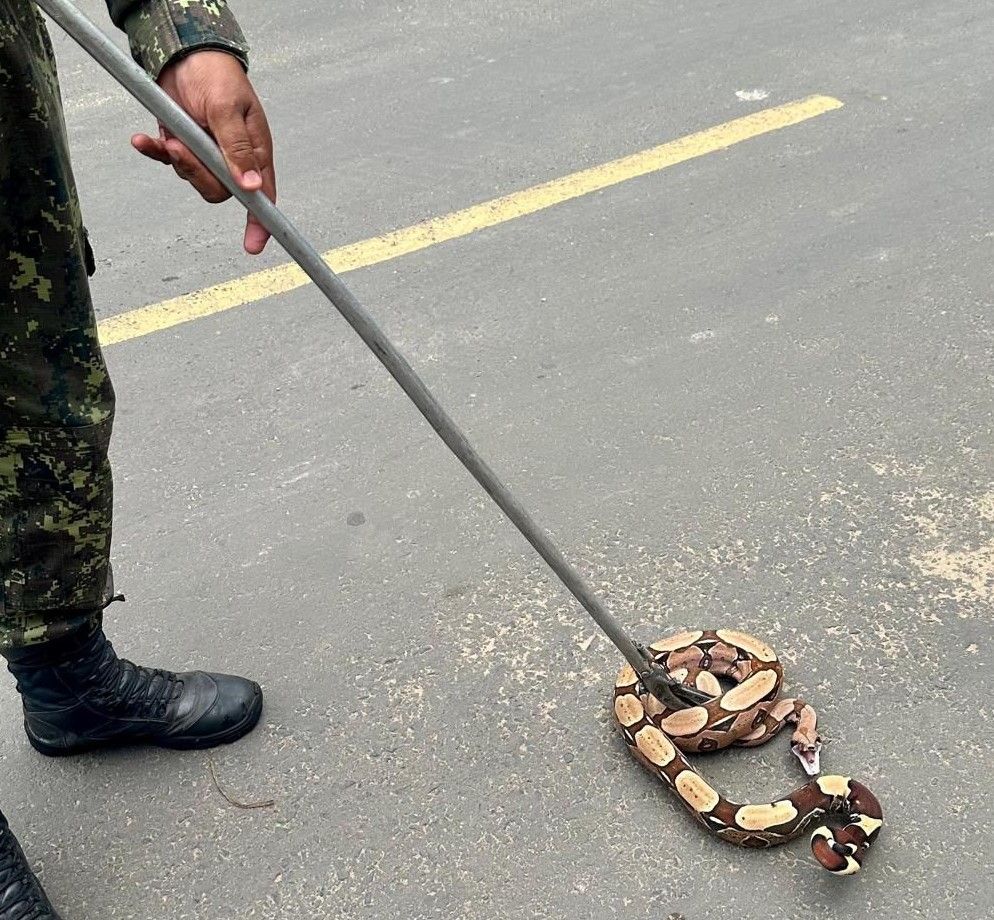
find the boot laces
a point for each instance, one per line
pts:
(128, 687)
(20, 896)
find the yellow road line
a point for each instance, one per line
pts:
(282, 278)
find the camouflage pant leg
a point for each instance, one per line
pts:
(56, 400)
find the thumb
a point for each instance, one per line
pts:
(231, 133)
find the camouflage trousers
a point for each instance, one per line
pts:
(56, 399)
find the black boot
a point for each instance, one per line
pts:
(21, 895)
(79, 695)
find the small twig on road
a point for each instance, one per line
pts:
(248, 806)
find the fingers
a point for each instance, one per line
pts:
(167, 149)
(227, 121)
(188, 167)
(256, 236)
(242, 133)
(151, 147)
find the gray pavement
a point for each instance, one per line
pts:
(752, 390)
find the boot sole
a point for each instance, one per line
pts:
(179, 743)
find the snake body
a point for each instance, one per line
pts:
(748, 714)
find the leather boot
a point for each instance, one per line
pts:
(21, 895)
(78, 695)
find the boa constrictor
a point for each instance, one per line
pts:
(748, 714)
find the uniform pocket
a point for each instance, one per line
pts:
(56, 499)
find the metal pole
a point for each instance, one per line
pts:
(153, 98)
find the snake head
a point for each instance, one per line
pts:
(809, 756)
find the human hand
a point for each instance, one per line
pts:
(212, 87)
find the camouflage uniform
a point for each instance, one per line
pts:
(56, 399)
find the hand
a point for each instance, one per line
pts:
(211, 86)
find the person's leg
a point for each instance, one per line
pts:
(38, 503)
(56, 400)
(56, 412)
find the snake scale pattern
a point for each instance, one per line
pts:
(748, 714)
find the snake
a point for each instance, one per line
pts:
(845, 814)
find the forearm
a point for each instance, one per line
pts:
(160, 31)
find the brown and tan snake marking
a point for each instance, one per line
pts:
(748, 714)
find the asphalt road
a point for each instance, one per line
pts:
(751, 390)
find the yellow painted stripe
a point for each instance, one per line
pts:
(282, 278)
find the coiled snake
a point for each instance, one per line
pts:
(748, 714)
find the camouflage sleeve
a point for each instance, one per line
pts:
(161, 30)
